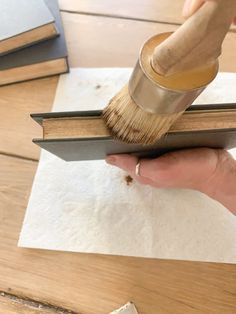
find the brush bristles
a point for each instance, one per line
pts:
(131, 124)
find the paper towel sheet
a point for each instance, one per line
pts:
(87, 206)
(128, 308)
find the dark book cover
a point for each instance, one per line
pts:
(44, 51)
(74, 149)
(20, 16)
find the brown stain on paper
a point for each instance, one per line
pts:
(128, 180)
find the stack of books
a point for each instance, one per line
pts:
(32, 41)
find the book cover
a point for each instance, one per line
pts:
(47, 51)
(18, 20)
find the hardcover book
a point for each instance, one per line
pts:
(23, 23)
(82, 135)
(43, 59)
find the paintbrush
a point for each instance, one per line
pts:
(172, 70)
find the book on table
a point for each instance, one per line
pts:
(43, 59)
(24, 23)
(83, 135)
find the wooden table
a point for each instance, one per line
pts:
(99, 33)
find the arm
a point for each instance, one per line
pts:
(191, 6)
(210, 171)
(223, 185)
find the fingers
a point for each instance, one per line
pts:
(190, 168)
(191, 6)
(159, 172)
(128, 163)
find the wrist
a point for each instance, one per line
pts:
(221, 186)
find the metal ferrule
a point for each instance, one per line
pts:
(150, 95)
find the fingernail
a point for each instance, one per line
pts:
(111, 160)
(187, 8)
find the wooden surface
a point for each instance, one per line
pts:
(84, 283)
(159, 11)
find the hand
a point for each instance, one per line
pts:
(191, 6)
(211, 171)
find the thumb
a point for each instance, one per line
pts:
(191, 6)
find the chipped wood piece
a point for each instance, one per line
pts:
(11, 304)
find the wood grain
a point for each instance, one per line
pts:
(16, 103)
(91, 283)
(83, 42)
(116, 42)
(165, 11)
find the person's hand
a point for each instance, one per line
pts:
(211, 171)
(191, 168)
(191, 6)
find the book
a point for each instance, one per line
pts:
(23, 23)
(83, 135)
(43, 59)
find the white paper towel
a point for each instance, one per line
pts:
(88, 206)
(128, 308)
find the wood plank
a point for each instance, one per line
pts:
(162, 11)
(117, 42)
(16, 103)
(92, 283)
(19, 306)
(165, 11)
(107, 42)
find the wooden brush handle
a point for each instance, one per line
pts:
(198, 41)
